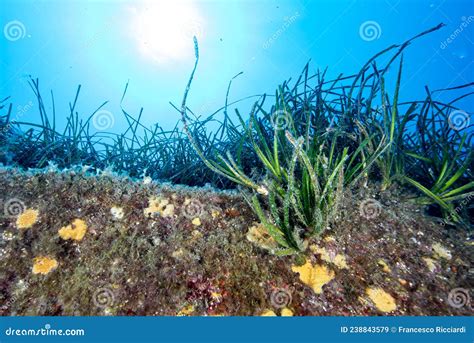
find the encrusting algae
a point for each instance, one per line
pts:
(27, 219)
(44, 265)
(441, 251)
(185, 311)
(384, 266)
(430, 263)
(215, 214)
(117, 213)
(159, 206)
(268, 313)
(381, 299)
(338, 260)
(314, 276)
(286, 312)
(75, 231)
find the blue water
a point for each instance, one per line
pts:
(103, 44)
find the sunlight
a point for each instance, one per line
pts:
(164, 29)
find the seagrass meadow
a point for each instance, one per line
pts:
(331, 196)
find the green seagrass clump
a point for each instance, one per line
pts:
(319, 137)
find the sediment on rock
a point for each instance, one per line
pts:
(129, 248)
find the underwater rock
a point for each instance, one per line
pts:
(166, 265)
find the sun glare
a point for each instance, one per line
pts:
(164, 30)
